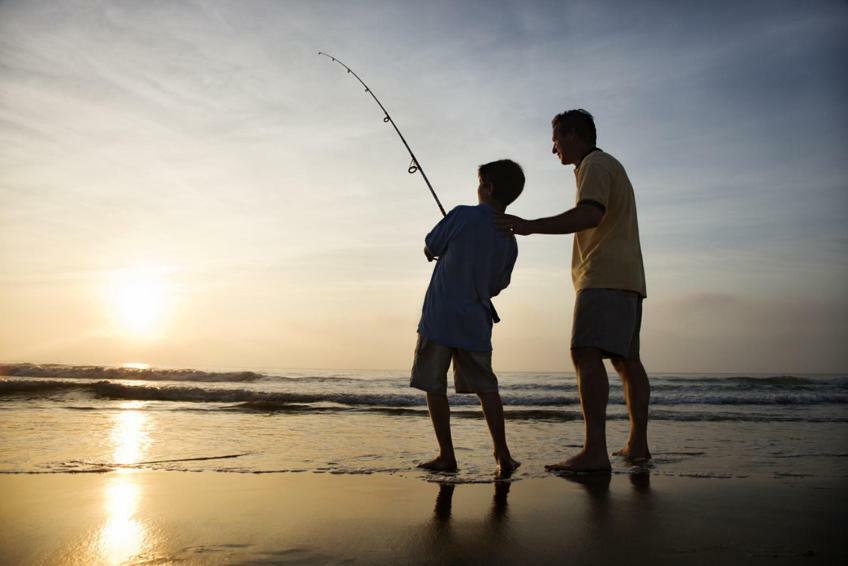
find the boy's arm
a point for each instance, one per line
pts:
(436, 242)
(506, 275)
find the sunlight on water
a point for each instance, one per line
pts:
(130, 436)
(135, 365)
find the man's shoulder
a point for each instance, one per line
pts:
(603, 159)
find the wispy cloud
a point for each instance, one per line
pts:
(210, 137)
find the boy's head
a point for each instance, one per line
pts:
(500, 182)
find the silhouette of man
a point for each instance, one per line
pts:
(609, 278)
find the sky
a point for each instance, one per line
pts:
(188, 184)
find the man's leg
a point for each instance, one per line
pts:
(439, 408)
(637, 395)
(593, 387)
(493, 410)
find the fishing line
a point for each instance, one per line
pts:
(414, 165)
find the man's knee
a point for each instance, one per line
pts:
(586, 358)
(626, 367)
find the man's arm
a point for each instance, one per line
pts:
(582, 217)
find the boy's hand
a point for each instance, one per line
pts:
(512, 224)
(430, 257)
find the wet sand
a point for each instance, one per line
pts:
(159, 517)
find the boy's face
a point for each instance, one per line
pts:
(484, 190)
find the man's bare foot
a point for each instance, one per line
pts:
(506, 466)
(439, 464)
(582, 462)
(634, 456)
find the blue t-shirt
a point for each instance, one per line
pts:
(475, 264)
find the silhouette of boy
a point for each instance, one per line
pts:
(475, 263)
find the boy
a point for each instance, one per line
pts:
(475, 262)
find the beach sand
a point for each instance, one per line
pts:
(161, 517)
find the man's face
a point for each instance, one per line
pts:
(563, 145)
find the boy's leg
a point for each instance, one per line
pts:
(439, 408)
(493, 410)
(429, 373)
(473, 374)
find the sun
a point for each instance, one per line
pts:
(139, 298)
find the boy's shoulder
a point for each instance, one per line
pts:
(469, 212)
(463, 209)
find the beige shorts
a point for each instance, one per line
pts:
(472, 371)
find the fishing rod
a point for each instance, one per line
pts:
(414, 165)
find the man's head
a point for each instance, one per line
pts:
(573, 135)
(500, 182)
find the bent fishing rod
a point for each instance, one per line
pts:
(414, 165)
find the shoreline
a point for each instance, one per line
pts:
(151, 517)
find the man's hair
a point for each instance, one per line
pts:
(506, 178)
(578, 120)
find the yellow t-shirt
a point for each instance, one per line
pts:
(608, 256)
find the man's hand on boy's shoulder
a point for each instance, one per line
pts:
(430, 257)
(512, 224)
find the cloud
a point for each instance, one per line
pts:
(209, 136)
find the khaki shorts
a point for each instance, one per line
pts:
(609, 320)
(472, 371)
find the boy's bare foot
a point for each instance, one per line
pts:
(583, 462)
(635, 456)
(506, 466)
(439, 464)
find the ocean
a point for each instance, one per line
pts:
(96, 419)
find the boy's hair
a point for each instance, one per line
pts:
(506, 178)
(578, 120)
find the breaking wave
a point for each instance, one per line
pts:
(105, 372)
(112, 390)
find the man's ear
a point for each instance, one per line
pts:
(489, 189)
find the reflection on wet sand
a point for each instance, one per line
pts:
(598, 485)
(641, 481)
(459, 539)
(444, 504)
(123, 536)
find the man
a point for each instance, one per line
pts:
(609, 279)
(475, 264)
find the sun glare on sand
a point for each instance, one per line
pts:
(138, 300)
